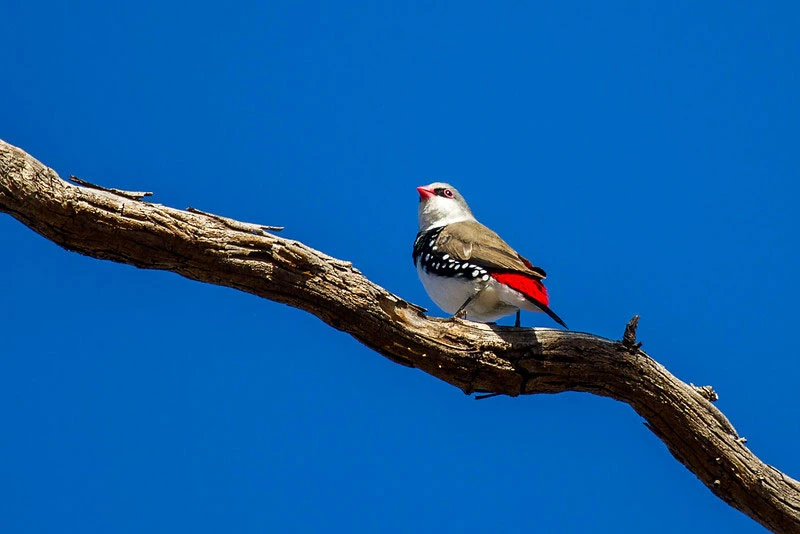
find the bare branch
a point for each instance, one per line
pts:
(471, 356)
(133, 195)
(237, 225)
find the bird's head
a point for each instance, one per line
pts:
(441, 204)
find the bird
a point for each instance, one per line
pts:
(466, 268)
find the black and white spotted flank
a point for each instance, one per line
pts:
(433, 261)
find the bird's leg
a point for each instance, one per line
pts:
(516, 323)
(461, 313)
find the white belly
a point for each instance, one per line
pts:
(494, 301)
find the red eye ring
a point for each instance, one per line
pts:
(448, 193)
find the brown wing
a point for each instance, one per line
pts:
(470, 240)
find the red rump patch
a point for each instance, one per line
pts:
(530, 287)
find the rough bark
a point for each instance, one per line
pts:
(116, 225)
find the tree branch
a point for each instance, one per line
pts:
(110, 224)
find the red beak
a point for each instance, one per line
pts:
(425, 192)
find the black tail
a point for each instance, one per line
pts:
(549, 312)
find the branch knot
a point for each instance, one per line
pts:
(629, 337)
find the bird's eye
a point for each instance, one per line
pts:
(448, 193)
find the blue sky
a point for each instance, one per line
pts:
(644, 155)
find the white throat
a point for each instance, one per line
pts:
(437, 211)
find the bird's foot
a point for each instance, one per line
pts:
(516, 323)
(461, 312)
